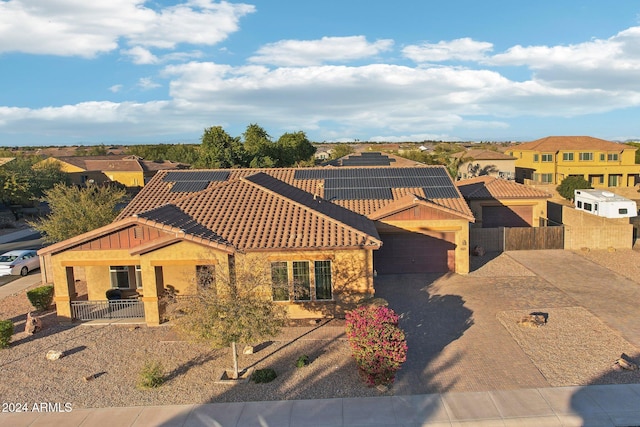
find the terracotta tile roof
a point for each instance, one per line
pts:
(489, 187)
(158, 191)
(483, 155)
(558, 143)
(261, 213)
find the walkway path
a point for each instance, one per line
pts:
(607, 405)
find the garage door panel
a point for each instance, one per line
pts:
(415, 253)
(507, 216)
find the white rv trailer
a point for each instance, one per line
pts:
(604, 203)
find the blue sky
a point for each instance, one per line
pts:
(134, 71)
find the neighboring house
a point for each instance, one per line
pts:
(485, 162)
(130, 171)
(603, 163)
(372, 158)
(497, 202)
(323, 155)
(327, 230)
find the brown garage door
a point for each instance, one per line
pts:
(507, 216)
(415, 253)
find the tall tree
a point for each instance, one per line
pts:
(294, 148)
(230, 309)
(259, 146)
(77, 210)
(23, 182)
(221, 150)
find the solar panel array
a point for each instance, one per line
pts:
(367, 159)
(191, 182)
(363, 184)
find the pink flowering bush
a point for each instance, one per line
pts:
(377, 343)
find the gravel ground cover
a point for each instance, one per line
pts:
(622, 261)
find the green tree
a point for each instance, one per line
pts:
(341, 150)
(294, 147)
(571, 183)
(23, 182)
(220, 150)
(259, 146)
(77, 210)
(231, 309)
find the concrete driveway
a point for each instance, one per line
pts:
(456, 342)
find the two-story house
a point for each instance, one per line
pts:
(550, 160)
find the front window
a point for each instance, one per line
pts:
(123, 276)
(567, 157)
(301, 281)
(546, 177)
(612, 157)
(280, 281)
(547, 157)
(587, 206)
(323, 279)
(614, 180)
(622, 211)
(535, 157)
(297, 281)
(586, 157)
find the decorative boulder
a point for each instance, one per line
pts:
(54, 355)
(33, 324)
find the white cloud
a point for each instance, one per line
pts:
(89, 28)
(140, 55)
(464, 49)
(316, 52)
(147, 83)
(115, 88)
(611, 64)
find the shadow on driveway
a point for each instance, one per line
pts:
(430, 321)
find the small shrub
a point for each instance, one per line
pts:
(6, 330)
(264, 375)
(377, 343)
(302, 361)
(41, 297)
(151, 375)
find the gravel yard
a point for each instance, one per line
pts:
(574, 348)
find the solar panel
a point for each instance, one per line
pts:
(185, 176)
(376, 183)
(189, 187)
(358, 194)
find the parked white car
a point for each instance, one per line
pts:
(18, 262)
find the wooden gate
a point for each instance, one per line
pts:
(527, 238)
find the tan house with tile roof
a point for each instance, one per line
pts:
(130, 171)
(604, 164)
(485, 162)
(317, 229)
(497, 202)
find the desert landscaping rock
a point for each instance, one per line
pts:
(54, 354)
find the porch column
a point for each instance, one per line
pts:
(150, 294)
(64, 290)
